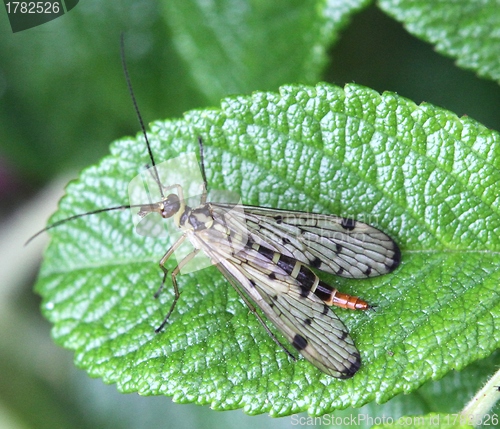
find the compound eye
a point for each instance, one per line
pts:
(171, 206)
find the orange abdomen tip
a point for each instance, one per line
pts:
(344, 300)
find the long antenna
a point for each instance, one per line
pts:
(151, 157)
(136, 107)
(202, 163)
(93, 212)
(60, 222)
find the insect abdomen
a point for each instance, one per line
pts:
(310, 282)
(332, 296)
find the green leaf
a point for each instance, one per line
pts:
(419, 173)
(465, 30)
(239, 46)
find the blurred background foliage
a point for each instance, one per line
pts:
(63, 99)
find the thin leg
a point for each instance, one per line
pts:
(165, 258)
(174, 274)
(180, 194)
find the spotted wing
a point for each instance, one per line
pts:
(333, 244)
(306, 322)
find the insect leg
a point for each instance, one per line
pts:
(180, 193)
(165, 258)
(174, 274)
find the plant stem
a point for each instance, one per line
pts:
(479, 406)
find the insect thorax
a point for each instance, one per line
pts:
(196, 219)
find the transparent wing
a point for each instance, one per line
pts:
(306, 322)
(333, 244)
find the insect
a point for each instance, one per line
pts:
(273, 268)
(269, 257)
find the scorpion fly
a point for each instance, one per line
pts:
(268, 256)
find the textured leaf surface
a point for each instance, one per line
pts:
(419, 173)
(466, 30)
